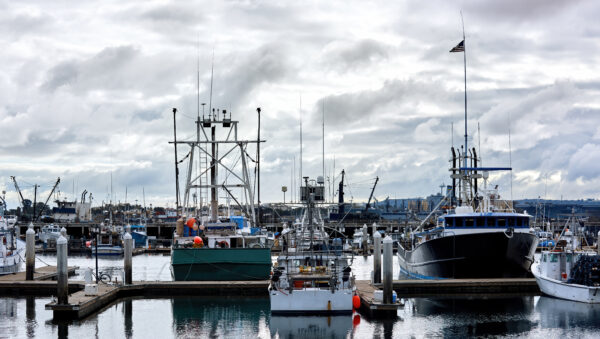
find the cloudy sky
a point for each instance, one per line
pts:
(87, 88)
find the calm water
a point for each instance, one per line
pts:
(227, 317)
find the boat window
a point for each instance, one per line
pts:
(459, 222)
(526, 222)
(500, 222)
(469, 222)
(510, 222)
(569, 257)
(544, 257)
(553, 258)
(488, 222)
(479, 222)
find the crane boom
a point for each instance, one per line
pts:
(49, 195)
(371, 196)
(18, 190)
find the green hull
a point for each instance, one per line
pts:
(220, 264)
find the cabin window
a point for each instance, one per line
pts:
(510, 222)
(501, 222)
(526, 222)
(553, 258)
(544, 257)
(460, 222)
(480, 222)
(469, 222)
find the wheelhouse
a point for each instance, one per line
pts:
(486, 221)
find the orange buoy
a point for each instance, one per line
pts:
(197, 240)
(88, 243)
(356, 301)
(190, 222)
(356, 320)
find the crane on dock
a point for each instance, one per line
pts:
(371, 196)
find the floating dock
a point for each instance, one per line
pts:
(81, 305)
(365, 290)
(429, 288)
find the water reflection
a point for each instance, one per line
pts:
(310, 326)
(31, 322)
(219, 316)
(489, 316)
(565, 314)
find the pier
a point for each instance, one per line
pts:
(81, 305)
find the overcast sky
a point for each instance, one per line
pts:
(87, 88)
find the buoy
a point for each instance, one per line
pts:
(88, 243)
(564, 275)
(197, 240)
(190, 222)
(356, 320)
(356, 301)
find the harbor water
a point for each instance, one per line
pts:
(249, 317)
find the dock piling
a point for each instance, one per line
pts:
(29, 252)
(365, 240)
(598, 243)
(377, 258)
(62, 279)
(388, 269)
(128, 243)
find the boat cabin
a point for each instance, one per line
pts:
(485, 220)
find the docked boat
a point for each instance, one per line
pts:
(49, 233)
(357, 239)
(139, 235)
(208, 245)
(107, 250)
(312, 274)
(567, 271)
(12, 249)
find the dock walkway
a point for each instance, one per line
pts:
(81, 305)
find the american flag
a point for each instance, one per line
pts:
(459, 48)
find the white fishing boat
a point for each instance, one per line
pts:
(12, 249)
(107, 249)
(567, 272)
(49, 232)
(312, 274)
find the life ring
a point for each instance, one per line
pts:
(223, 244)
(256, 245)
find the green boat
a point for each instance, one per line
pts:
(220, 264)
(214, 242)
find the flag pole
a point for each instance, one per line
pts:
(465, 68)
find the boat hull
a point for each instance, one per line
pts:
(220, 264)
(562, 290)
(311, 300)
(474, 255)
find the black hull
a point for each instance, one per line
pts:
(477, 255)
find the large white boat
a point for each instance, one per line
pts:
(312, 274)
(566, 272)
(12, 249)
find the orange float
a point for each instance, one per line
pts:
(356, 301)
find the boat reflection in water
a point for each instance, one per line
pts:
(310, 326)
(220, 316)
(477, 316)
(566, 314)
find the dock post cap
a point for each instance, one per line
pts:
(377, 235)
(30, 229)
(30, 224)
(387, 239)
(63, 232)
(126, 236)
(374, 224)
(61, 240)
